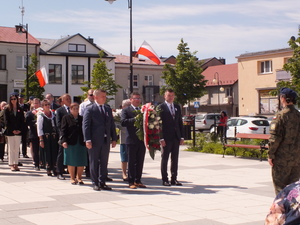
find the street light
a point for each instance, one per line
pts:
(130, 44)
(24, 29)
(217, 80)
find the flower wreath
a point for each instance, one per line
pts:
(148, 124)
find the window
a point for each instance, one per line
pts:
(266, 67)
(148, 80)
(267, 103)
(21, 62)
(2, 62)
(77, 48)
(77, 74)
(55, 73)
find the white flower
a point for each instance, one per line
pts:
(152, 116)
(157, 127)
(155, 122)
(158, 118)
(151, 126)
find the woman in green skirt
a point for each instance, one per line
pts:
(75, 153)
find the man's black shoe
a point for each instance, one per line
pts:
(105, 187)
(25, 156)
(166, 183)
(96, 188)
(20, 164)
(60, 177)
(109, 179)
(176, 182)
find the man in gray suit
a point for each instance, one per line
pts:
(98, 131)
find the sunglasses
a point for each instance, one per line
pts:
(46, 104)
(13, 99)
(91, 95)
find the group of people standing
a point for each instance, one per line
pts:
(80, 136)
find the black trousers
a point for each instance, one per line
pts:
(24, 141)
(136, 157)
(172, 147)
(98, 159)
(60, 160)
(35, 144)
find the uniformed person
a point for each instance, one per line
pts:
(284, 146)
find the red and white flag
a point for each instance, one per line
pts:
(42, 76)
(147, 51)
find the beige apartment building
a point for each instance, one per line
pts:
(258, 73)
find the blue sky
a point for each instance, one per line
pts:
(214, 28)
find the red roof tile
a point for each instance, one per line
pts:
(9, 35)
(228, 74)
(135, 60)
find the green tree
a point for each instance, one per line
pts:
(292, 66)
(185, 76)
(34, 88)
(102, 78)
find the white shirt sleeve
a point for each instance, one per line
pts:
(39, 123)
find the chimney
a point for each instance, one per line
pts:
(222, 60)
(91, 40)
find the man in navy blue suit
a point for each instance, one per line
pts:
(136, 147)
(171, 138)
(99, 131)
(60, 113)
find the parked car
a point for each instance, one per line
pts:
(206, 121)
(248, 125)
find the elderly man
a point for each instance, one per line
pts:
(284, 150)
(90, 100)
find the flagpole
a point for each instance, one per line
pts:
(131, 66)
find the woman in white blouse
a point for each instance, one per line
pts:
(48, 137)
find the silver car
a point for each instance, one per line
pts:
(206, 121)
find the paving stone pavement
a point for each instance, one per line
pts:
(215, 191)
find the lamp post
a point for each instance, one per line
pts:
(217, 80)
(24, 29)
(130, 44)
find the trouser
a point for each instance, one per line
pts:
(35, 144)
(136, 156)
(24, 142)
(98, 158)
(60, 160)
(283, 176)
(13, 145)
(172, 147)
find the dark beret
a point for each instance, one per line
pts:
(21, 96)
(31, 97)
(289, 93)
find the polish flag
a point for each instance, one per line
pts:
(42, 76)
(147, 51)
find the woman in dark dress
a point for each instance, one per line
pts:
(14, 124)
(75, 153)
(48, 137)
(3, 105)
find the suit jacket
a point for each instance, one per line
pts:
(171, 128)
(59, 114)
(95, 127)
(54, 106)
(31, 123)
(127, 120)
(71, 130)
(14, 122)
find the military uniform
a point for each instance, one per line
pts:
(284, 149)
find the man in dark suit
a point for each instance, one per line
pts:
(171, 138)
(60, 113)
(136, 148)
(53, 105)
(24, 140)
(99, 131)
